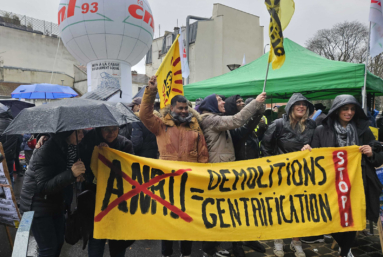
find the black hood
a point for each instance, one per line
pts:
(296, 98)
(210, 104)
(231, 105)
(340, 101)
(60, 139)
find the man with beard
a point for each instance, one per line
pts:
(179, 138)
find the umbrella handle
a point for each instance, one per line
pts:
(77, 147)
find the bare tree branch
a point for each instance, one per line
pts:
(346, 42)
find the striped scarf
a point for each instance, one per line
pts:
(346, 136)
(72, 156)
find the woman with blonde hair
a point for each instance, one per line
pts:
(293, 132)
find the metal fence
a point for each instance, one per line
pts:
(26, 23)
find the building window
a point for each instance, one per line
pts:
(169, 41)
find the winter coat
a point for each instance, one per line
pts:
(144, 141)
(245, 140)
(325, 136)
(46, 178)
(281, 138)
(126, 131)
(217, 128)
(176, 142)
(87, 200)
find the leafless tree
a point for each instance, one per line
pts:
(347, 42)
(376, 65)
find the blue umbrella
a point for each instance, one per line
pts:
(43, 91)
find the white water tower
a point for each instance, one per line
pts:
(109, 37)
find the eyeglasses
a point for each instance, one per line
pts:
(110, 130)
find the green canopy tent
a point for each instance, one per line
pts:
(304, 71)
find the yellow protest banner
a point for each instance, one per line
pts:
(292, 195)
(169, 75)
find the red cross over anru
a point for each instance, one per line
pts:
(141, 188)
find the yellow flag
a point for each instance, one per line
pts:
(287, 11)
(169, 75)
(281, 12)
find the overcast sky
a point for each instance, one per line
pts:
(310, 15)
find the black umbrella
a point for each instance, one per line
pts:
(16, 106)
(70, 114)
(4, 108)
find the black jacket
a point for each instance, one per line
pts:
(281, 138)
(245, 140)
(144, 141)
(46, 178)
(126, 131)
(325, 136)
(93, 138)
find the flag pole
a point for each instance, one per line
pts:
(267, 73)
(364, 92)
(267, 70)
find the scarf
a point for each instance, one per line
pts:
(346, 136)
(72, 156)
(69, 190)
(180, 119)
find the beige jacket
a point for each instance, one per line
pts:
(217, 128)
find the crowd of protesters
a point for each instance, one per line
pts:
(218, 130)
